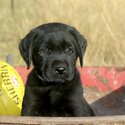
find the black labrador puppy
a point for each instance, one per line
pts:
(54, 87)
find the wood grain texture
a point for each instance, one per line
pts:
(107, 120)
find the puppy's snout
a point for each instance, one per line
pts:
(60, 70)
(59, 67)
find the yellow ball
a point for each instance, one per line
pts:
(11, 90)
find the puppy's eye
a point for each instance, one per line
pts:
(44, 51)
(69, 50)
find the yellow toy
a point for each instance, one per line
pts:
(11, 90)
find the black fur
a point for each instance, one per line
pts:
(54, 87)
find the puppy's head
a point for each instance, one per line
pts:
(53, 48)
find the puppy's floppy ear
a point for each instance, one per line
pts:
(26, 47)
(80, 45)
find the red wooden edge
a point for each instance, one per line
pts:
(103, 78)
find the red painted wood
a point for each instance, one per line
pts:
(103, 78)
(23, 72)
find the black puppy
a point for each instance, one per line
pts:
(54, 87)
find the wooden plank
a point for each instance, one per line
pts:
(105, 120)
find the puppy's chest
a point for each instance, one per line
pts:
(56, 97)
(51, 96)
(51, 102)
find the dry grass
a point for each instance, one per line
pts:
(101, 21)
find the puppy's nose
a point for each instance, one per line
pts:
(60, 70)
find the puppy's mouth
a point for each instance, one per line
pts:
(54, 78)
